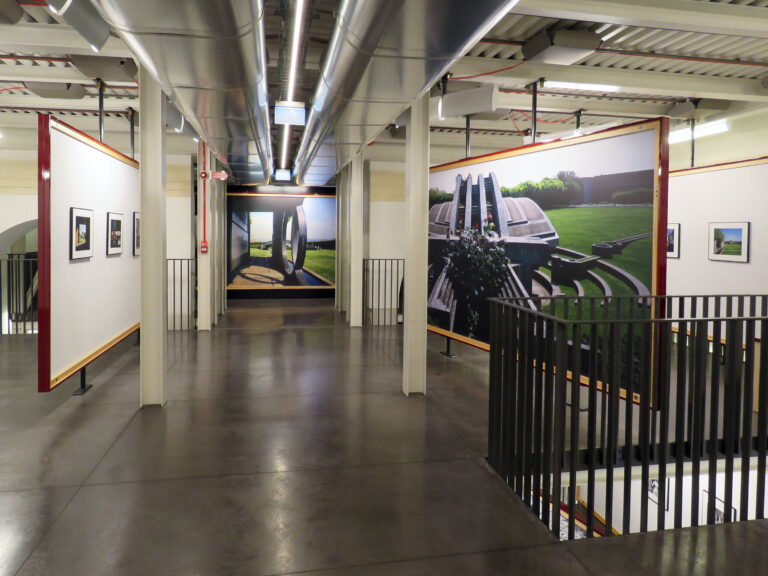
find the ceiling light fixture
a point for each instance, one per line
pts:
(708, 129)
(284, 151)
(298, 18)
(581, 86)
(58, 7)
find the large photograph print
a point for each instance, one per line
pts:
(282, 241)
(572, 218)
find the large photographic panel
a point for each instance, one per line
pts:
(282, 241)
(575, 217)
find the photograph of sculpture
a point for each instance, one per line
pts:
(573, 219)
(729, 241)
(114, 233)
(277, 243)
(673, 240)
(136, 233)
(80, 226)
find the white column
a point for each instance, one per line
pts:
(204, 260)
(417, 211)
(216, 246)
(224, 247)
(356, 240)
(345, 241)
(339, 243)
(154, 274)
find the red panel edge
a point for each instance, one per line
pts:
(661, 222)
(44, 252)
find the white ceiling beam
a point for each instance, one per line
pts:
(628, 81)
(87, 103)
(25, 72)
(61, 74)
(53, 40)
(561, 104)
(683, 15)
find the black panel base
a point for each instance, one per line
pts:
(82, 390)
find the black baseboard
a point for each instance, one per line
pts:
(280, 293)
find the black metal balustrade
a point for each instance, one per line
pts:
(18, 294)
(383, 291)
(656, 406)
(182, 293)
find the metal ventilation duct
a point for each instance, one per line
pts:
(10, 12)
(563, 47)
(107, 68)
(210, 58)
(383, 55)
(56, 90)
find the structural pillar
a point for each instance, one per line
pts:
(345, 242)
(356, 218)
(154, 274)
(416, 215)
(204, 235)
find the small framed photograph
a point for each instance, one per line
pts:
(653, 492)
(137, 233)
(114, 233)
(729, 241)
(673, 240)
(80, 233)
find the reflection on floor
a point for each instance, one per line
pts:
(286, 446)
(259, 274)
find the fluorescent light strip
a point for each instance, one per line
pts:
(708, 129)
(295, 42)
(581, 86)
(297, 24)
(286, 139)
(64, 8)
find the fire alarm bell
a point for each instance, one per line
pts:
(204, 247)
(204, 175)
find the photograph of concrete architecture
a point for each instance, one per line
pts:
(406, 287)
(729, 241)
(563, 221)
(280, 243)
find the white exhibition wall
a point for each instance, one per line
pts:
(93, 300)
(731, 194)
(387, 235)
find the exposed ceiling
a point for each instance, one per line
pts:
(679, 58)
(655, 55)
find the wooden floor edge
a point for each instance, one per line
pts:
(56, 380)
(459, 338)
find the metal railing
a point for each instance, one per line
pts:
(383, 280)
(18, 294)
(636, 414)
(182, 293)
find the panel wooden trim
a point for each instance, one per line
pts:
(721, 166)
(56, 380)
(73, 132)
(459, 338)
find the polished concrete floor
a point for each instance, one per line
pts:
(287, 447)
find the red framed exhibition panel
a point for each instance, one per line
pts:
(660, 127)
(46, 380)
